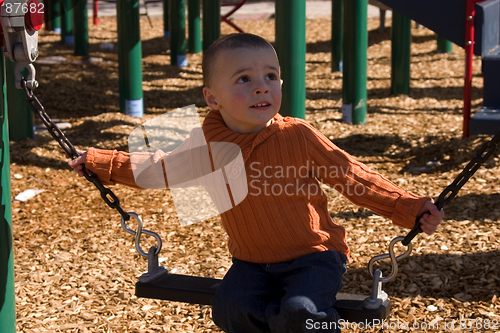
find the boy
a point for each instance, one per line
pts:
(288, 254)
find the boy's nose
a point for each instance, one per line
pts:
(261, 89)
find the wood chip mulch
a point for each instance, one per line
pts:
(76, 268)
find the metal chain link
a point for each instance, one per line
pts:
(452, 190)
(487, 150)
(106, 194)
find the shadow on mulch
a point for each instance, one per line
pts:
(462, 277)
(434, 92)
(444, 153)
(374, 37)
(477, 207)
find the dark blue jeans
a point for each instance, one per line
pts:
(288, 297)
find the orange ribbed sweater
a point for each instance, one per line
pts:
(285, 214)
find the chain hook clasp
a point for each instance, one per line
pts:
(31, 82)
(393, 257)
(139, 233)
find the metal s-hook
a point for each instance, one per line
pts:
(138, 234)
(393, 257)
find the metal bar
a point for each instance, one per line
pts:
(95, 10)
(20, 116)
(443, 45)
(194, 29)
(211, 22)
(470, 12)
(66, 22)
(129, 57)
(401, 53)
(337, 34)
(354, 93)
(53, 16)
(291, 49)
(225, 18)
(166, 20)
(178, 33)
(7, 292)
(81, 27)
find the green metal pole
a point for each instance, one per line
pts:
(194, 41)
(444, 45)
(337, 41)
(166, 20)
(291, 48)
(211, 22)
(178, 43)
(67, 22)
(401, 51)
(54, 12)
(21, 118)
(354, 81)
(129, 58)
(81, 28)
(7, 291)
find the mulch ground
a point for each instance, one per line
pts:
(76, 268)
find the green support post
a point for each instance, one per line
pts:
(400, 54)
(81, 28)
(444, 45)
(67, 22)
(211, 22)
(337, 41)
(21, 118)
(291, 49)
(54, 16)
(354, 94)
(178, 43)
(166, 20)
(194, 41)
(129, 58)
(7, 291)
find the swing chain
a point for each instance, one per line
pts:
(106, 194)
(487, 150)
(452, 190)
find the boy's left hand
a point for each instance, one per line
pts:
(431, 217)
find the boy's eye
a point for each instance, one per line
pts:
(271, 76)
(243, 79)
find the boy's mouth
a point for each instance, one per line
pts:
(261, 105)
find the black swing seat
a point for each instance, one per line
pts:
(200, 290)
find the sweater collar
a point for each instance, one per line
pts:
(215, 130)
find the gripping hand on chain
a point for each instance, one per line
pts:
(430, 218)
(77, 163)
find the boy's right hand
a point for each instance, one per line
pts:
(77, 163)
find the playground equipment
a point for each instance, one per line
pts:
(158, 283)
(225, 17)
(19, 37)
(475, 26)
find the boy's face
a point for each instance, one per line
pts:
(245, 88)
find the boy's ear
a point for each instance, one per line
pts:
(210, 99)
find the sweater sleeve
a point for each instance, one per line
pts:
(357, 182)
(180, 168)
(116, 167)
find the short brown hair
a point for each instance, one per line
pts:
(229, 42)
